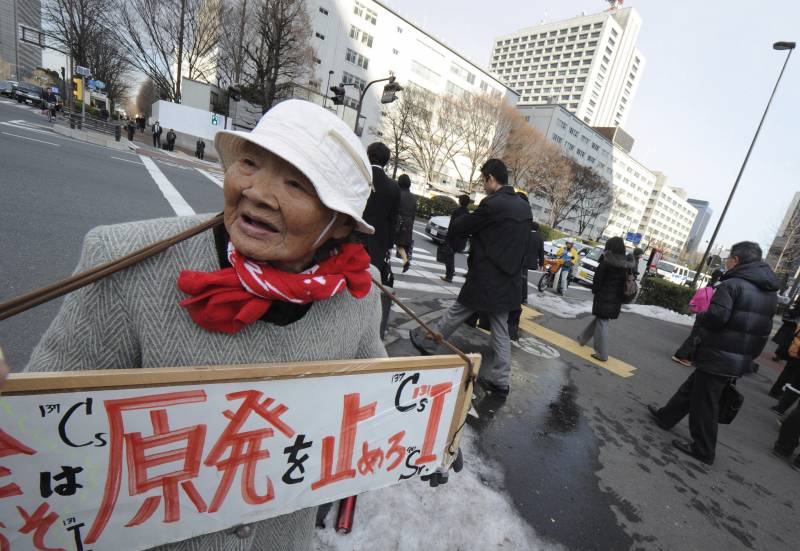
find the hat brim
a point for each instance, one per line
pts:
(229, 142)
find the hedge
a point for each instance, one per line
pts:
(438, 205)
(548, 233)
(660, 292)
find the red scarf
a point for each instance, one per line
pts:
(230, 298)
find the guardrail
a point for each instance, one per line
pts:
(76, 120)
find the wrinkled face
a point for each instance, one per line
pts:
(272, 211)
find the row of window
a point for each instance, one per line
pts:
(363, 36)
(560, 32)
(362, 11)
(356, 58)
(579, 49)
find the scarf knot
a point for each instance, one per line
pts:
(228, 299)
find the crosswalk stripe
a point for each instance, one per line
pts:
(29, 129)
(426, 287)
(431, 265)
(430, 275)
(209, 176)
(172, 195)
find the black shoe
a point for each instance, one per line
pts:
(419, 342)
(492, 387)
(598, 358)
(447, 279)
(406, 266)
(654, 416)
(777, 411)
(686, 448)
(796, 465)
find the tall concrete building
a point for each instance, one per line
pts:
(784, 253)
(18, 19)
(589, 64)
(704, 213)
(668, 217)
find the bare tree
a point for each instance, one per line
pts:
(277, 51)
(434, 131)
(484, 125)
(395, 127)
(521, 147)
(231, 56)
(83, 29)
(161, 36)
(591, 195)
(147, 96)
(73, 26)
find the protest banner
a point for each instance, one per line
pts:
(90, 459)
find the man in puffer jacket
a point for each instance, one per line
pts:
(733, 332)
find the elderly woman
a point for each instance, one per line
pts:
(295, 188)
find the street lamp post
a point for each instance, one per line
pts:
(388, 95)
(327, 87)
(777, 46)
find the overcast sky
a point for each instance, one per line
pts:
(710, 70)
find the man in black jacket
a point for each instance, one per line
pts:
(381, 213)
(499, 230)
(733, 331)
(454, 243)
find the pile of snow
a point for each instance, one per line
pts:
(469, 512)
(659, 313)
(558, 306)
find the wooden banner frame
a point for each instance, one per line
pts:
(105, 379)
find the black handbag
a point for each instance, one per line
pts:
(730, 402)
(387, 277)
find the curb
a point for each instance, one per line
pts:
(92, 138)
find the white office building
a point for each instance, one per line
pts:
(581, 143)
(668, 218)
(357, 41)
(589, 64)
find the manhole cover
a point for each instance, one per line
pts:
(536, 347)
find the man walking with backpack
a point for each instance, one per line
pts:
(733, 331)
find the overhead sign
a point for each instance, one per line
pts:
(634, 238)
(88, 460)
(83, 71)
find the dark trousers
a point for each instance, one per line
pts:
(686, 350)
(698, 397)
(157, 141)
(789, 434)
(790, 374)
(449, 262)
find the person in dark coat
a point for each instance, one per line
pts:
(784, 335)
(156, 129)
(454, 243)
(788, 438)
(608, 289)
(534, 258)
(498, 230)
(171, 137)
(200, 149)
(733, 331)
(131, 128)
(381, 213)
(404, 238)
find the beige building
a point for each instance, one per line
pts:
(668, 218)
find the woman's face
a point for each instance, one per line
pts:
(272, 212)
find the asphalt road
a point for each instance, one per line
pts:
(580, 459)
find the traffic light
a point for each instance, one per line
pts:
(390, 91)
(338, 94)
(77, 88)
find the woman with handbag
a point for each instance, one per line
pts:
(244, 293)
(608, 288)
(699, 303)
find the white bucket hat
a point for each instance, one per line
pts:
(320, 145)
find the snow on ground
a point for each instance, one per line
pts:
(558, 306)
(659, 313)
(468, 513)
(569, 309)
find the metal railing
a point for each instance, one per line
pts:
(75, 120)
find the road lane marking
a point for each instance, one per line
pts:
(29, 129)
(431, 265)
(31, 139)
(173, 197)
(426, 287)
(209, 176)
(615, 366)
(127, 160)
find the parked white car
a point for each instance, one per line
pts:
(587, 265)
(551, 247)
(436, 228)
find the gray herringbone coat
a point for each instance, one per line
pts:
(133, 319)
